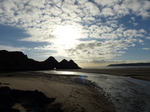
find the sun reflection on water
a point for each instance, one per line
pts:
(67, 72)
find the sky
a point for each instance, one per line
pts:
(91, 32)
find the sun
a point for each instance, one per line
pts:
(66, 35)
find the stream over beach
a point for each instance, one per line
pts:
(127, 94)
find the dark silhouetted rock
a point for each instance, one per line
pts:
(32, 101)
(73, 65)
(64, 64)
(49, 63)
(17, 61)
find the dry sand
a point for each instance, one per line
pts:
(71, 97)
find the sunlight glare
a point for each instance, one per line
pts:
(66, 35)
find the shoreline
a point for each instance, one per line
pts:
(69, 96)
(142, 73)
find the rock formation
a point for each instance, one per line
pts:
(31, 101)
(49, 63)
(17, 61)
(64, 64)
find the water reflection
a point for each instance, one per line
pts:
(60, 72)
(66, 72)
(127, 94)
(82, 78)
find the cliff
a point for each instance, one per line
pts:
(131, 64)
(17, 61)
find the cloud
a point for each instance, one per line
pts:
(107, 12)
(133, 18)
(97, 50)
(11, 48)
(107, 2)
(134, 33)
(135, 24)
(92, 8)
(101, 36)
(138, 7)
(146, 48)
(147, 37)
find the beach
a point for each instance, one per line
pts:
(67, 95)
(73, 92)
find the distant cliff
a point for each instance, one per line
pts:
(131, 64)
(17, 61)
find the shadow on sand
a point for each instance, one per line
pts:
(12, 100)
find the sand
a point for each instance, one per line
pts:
(69, 96)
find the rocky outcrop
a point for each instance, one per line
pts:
(17, 61)
(73, 65)
(31, 101)
(49, 63)
(64, 64)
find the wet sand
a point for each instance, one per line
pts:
(68, 96)
(142, 73)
